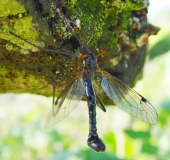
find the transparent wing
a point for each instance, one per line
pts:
(128, 99)
(66, 102)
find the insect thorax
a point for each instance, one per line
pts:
(90, 65)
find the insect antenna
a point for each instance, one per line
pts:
(40, 48)
(83, 44)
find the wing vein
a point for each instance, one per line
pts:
(66, 102)
(128, 99)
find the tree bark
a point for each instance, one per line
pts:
(53, 24)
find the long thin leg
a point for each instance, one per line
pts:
(44, 49)
(110, 57)
(101, 53)
(100, 103)
(54, 87)
(77, 60)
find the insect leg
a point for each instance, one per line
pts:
(110, 57)
(54, 88)
(77, 60)
(43, 49)
(100, 103)
(101, 53)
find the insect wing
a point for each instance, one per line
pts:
(128, 99)
(66, 103)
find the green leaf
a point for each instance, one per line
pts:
(138, 134)
(164, 113)
(91, 155)
(150, 149)
(166, 106)
(160, 48)
(110, 140)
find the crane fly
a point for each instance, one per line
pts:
(122, 96)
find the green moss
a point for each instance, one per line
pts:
(16, 19)
(8, 7)
(96, 16)
(46, 28)
(22, 82)
(22, 27)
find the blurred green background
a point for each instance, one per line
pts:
(21, 117)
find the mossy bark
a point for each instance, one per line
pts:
(53, 24)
